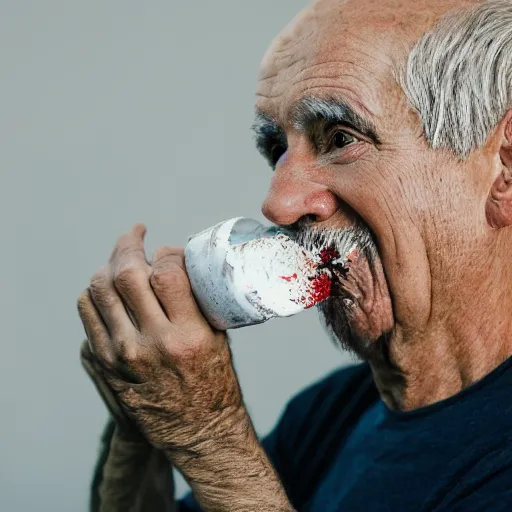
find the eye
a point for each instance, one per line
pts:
(276, 152)
(340, 139)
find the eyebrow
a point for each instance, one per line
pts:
(331, 111)
(309, 111)
(266, 133)
(265, 125)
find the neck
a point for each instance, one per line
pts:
(416, 369)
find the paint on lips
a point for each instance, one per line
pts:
(321, 283)
(329, 254)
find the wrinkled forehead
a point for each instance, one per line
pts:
(350, 49)
(324, 51)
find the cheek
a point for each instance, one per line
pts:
(382, 193)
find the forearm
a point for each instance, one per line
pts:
(237, 483)
(132, 477)
(231, 473)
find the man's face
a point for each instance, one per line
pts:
(348, 150)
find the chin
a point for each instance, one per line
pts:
(334, 316)
(358, 314)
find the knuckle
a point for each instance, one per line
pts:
(129, 353)
(192, 345)
(169, 252)
(172, 278)
(101, 294)
(166, 257)
(99, 279)
(99, 285)
(83, 303)
(162, 252)
(129, 277)
(134, 363)
(101, 358)
(107, 360)
(130, 357)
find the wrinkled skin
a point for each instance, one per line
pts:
(434, 303)
(130, 474)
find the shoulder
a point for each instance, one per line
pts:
(485, 487)
(334, 382)
(316, 404)
(314, 424)
(336, 390)
(320, 407)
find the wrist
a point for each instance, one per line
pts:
(231, 472)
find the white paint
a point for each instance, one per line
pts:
(243, 273)
(261, 266)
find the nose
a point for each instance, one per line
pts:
(292, 196)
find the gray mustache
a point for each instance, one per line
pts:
(341, 240)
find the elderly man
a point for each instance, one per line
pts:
(394, 117)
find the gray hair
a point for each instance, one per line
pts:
(458, 76)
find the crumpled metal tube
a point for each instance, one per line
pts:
(243, 273)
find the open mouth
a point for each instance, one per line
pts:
(355, 305)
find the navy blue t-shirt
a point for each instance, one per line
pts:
(338, 447)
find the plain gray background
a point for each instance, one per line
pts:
(111, 113)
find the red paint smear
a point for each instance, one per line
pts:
(329, 254)
(321, 290)
(289, 278)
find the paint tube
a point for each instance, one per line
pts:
(243, 273)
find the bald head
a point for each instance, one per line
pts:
(404, 19)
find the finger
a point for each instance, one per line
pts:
(132, 241)
(172, 286)
(111, 308)
(166, 251)
(131, 274)
(95, 373)
(96, 330)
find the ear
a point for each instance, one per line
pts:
(499, 203)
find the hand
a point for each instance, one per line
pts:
(130, 473)
(170, 371)
(172, 374)
(124, 424)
